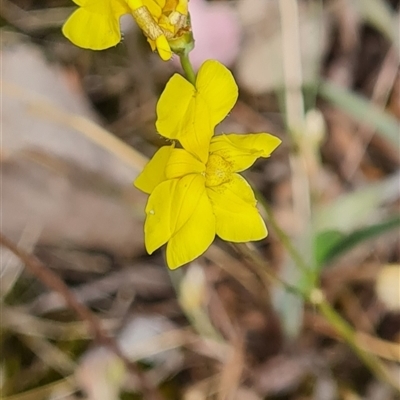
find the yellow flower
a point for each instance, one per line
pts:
(95, 24)
(196, 191)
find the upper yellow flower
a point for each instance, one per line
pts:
(95, 24)
(195, 191)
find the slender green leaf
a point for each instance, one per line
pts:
(330, 244)
(363, 110)
(356, 209)
(324, 243)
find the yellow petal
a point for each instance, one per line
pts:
(185, 198)
(147, 14)
(89, 30)
(182, 7)
(154, 172)
(152, 44)
(163, 48)
(157, 227)
(104, 6)
(234, 206)
(144, 19)
(155, 7)
(241, 151)
(135, 4)
(169, 207)
(169, 5)
(183, 116)
(215, 83)
(149, 25)
(197, 132)
(182, 163)
(173, 105)
(194, 237)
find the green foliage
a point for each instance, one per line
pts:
(331, 244)
(362, 110)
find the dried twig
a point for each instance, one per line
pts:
(54, 282)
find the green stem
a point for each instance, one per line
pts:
(284, 239)
(317, 298)
(188, 68)
(347, 333)
(262, 270)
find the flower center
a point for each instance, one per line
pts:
(218, 170)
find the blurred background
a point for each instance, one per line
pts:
(76, 129)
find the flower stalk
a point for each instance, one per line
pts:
(316, 298)
(348, 334)
(188, 68)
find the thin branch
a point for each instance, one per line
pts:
(54, 282)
